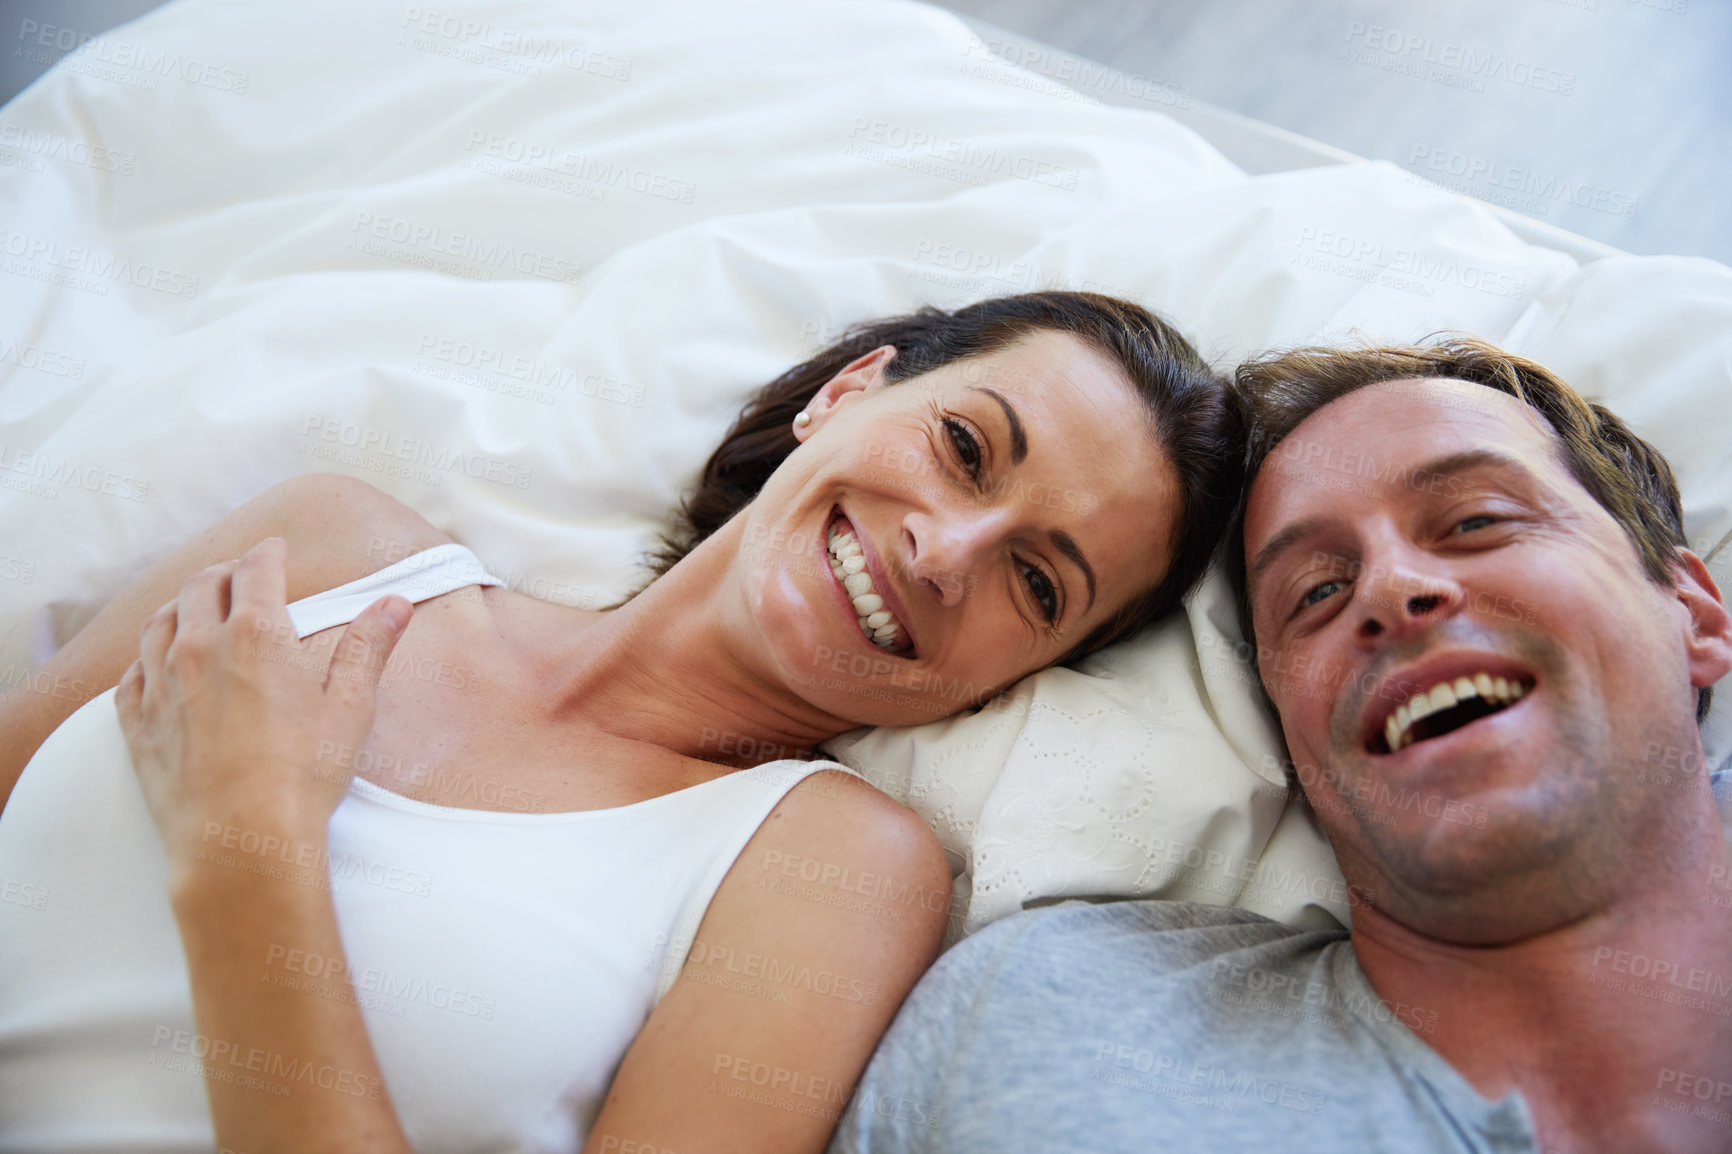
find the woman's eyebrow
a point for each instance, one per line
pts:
(1067, 545)
(1018, 439)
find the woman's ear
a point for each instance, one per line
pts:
(859, 375)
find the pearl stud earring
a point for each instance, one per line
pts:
(802, 419)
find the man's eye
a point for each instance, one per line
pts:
(1319, 592)
(967, 447)
(1468, 524)
(1041, 586)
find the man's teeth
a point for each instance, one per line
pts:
(848, 562)
(1398, 728)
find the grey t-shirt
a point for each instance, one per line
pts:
(1147, 1026)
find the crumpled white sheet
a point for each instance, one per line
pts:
(518, 264)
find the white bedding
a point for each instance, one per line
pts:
(518, 264)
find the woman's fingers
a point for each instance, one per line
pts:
(129, 697)
(155, 638)
(362, 652)
(203, 604)
(259, 588)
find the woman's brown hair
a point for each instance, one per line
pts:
(1184, 398)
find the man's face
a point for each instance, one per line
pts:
(1425, 538)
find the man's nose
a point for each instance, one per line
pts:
(1402, 590)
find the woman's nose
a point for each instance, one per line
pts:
(948, 550)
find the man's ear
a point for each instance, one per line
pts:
(856, 377)
(1709, 645)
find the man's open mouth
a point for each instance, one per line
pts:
(1447, 706)
(848, 563)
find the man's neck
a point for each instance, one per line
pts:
(1610, 1026)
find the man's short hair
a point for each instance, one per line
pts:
(1625, 474)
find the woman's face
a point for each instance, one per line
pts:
(931, 541)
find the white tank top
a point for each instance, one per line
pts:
(503, 961)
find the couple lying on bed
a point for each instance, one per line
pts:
(1540, 954)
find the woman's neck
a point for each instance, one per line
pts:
(677, 667)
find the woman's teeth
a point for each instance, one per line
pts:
(848, 562)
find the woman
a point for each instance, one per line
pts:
(894, 531)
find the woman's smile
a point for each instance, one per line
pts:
(859, 576)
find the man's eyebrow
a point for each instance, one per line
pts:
(1018, 439)
(1444, 466)
(1067, 545)
(1271, 551)
(1470, 459)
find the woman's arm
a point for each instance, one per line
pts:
(827, 919)
(224, 732)
(337, 529)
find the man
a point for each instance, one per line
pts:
(1489, 651)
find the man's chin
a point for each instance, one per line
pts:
(1496, 853)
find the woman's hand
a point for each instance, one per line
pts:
(227, 715)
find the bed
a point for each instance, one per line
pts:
(519, 263)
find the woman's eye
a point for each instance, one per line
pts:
(1468, 524)
(1044, 591)
(1319, 592)
(967, 447)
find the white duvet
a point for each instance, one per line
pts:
(519, 264)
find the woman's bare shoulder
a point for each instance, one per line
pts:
(338, 529)
(845, 821)
(346, 529)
